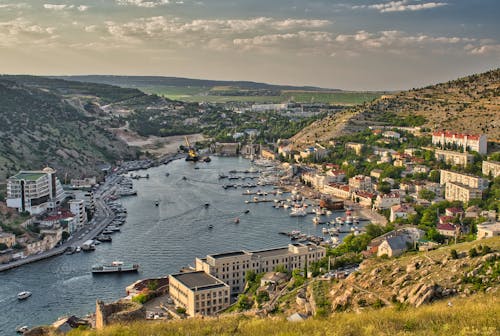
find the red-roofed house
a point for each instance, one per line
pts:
(401, 211)
(446, 229)
(454, 212)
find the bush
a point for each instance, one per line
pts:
(180, 310)
(141, 298)
(3, 247)
(454, 254)
(473, 252)
(243, 303)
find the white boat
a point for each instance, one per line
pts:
(286, 206)
(325, 231)
(298, 212)
(316, 220)
(22, 330)
(115, 267)
(23, 295)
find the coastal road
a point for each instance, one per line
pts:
(103, 216)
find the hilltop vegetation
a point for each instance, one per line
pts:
(469, 104)
(41, 125)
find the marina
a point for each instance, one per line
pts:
(160, 238)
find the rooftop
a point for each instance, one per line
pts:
(271, 252)
(227, 254)
(28, 176)
(197, 279)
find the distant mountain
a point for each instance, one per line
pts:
(470, 104)
(155, 81)
(57, 123)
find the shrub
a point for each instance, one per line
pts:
(473, 252)
(454, 254)
(141, 298)
(180, 310)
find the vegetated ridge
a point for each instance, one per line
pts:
(57, 123)
(470, 104)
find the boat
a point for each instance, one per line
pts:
(167, 174)
(206, 159)
(23, 295)
(157, 203)
(115, 267)
(78, 249)
(206, 205)
(113, 228)
(247, 211)
(104, 238)
(298, 212)
(236, 220)
(316, 220)
(22, 330)
(210, 226)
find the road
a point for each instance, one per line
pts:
(102, 217)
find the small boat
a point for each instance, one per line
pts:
(236, 220)
(247, 211)
(22, 330)
(210, 226)
(78, 249)
(157, 203)
(206, 159)
(104, 238)
(115, 267)
(184, 178)
(23, 295)
(167, 174)
(206, 205)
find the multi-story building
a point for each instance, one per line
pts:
(338, 190)
(364, 198)
(456, 191)
(468, 180)
(454, 158)
(356, 147)
(491, 167)
(77, 208)
(360, 182)
(472, 142)
(401, 211)
(199, 293)
(87, 182)
(34, 191)
(385, 201)
(231, 267)
(86, 195)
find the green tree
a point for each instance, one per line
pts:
(243, 303)
(426, 194)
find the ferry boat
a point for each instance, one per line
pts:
(23, 295)
(115, 267)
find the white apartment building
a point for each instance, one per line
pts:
(385, 201)
(491, 167)
(360, 182)
(456, 191)
(454, 158)
(469, 142)
(231, 267)
(77, 208)
(34, 191)
(468, 180)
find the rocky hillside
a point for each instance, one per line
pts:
(469, 104)
(57, 123)
(418, 279)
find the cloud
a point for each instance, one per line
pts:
(401, 6)
(57, 7)
(143, 3)
(14, 6)
(82, 8)
(21, 31)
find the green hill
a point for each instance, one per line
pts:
(57, 123)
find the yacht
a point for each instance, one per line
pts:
(23, 295)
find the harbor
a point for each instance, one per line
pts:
(194, 216)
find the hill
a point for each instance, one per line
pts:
(470, 104)
(57, 123)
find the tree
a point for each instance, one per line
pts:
(426, 194)
(384, 187)
(243, 302)
(3, 247)
(250, 276)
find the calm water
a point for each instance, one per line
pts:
(161, 239)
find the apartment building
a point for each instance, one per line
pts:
(231, 267)
(468, 142)
(360, 182)
(339, 190)
(199, 293)
(454, 158)
(77, 208)
(34, 191)
(491, 167)
(471, 181)
(456, 191)
(385, 201)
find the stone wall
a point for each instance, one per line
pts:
(117, 312)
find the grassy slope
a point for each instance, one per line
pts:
(472, 316)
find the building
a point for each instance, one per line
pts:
(376, 173)
(455, 191)
(86, 195)
(391, 134)
(231, 267)
(487, 230)
(335, 175)
(392, 246)
(454, 158)
(77, 208)
(401, 211)
(491, 167)
(338, 190)
(360, 182)
(87, 182)
(468, 180)
(267, 153)
(356, 147)
(7, 238)
(199, 293)
(467, 142)
(447, 229)
(364, 198)
(227, 148)
(34, 191)
(385, 201)
(269, 107)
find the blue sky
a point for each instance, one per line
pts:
(359, 45)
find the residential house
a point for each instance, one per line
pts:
(360, 182)
(401, 211)
(356, 147)
(7, 238)
(453, 212)
(487, 230)
(385, 201)
(338, 190)
(376, 173)
(335, 175)
(391, 135)
(447, 229)
(392, 246)
(364, 198)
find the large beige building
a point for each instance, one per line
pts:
(7, 238)
(456, 191)
(454, 158)
(199, 293)
(231, 267)
(34, 191)
(472, 142)
(491, 167)
(468, 180)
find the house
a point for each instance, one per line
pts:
(364, 198)
(453, 212)
(297, 317)
(356, 147)
(391, 135)
(338, 190)
(376, 173)
(392, 246)
(273, 278)
(335, 175)
(472, 212)
(420, 169)
(447, 229)
(401, 211)
(267, 154)
(487, 230)
(385, 201)
(8, 239)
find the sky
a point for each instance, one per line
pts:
(349, 44)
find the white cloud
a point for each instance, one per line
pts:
(143, 3)
(57, 7)
(82, 8)
(20, 31)
(14, 6)
(402, 6)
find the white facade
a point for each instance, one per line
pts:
(491, 167)
(472, 142)
(34, 191)
(454, 158)
(77, 208)
(471, 181)
(459, 192)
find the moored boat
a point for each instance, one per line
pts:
(115, 267)
(23, 295)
